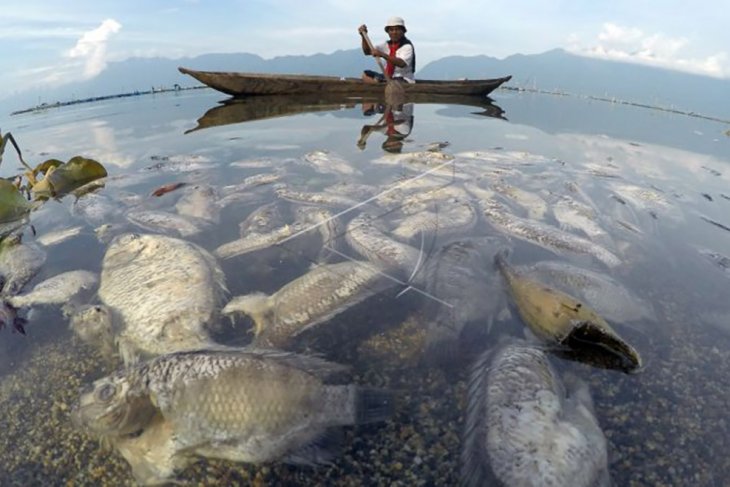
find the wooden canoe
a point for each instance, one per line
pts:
(248, 84)
(238, 110)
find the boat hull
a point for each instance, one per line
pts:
(251, 84)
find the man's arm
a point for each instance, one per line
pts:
(365, 48)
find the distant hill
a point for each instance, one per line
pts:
(556, 69)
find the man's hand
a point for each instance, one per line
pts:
(363, 29)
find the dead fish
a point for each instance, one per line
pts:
(308, 300)
(59, 236)
(242, 405)
(544, 235)
(534, 205)
(180, 163)
(162, 221)
(382, 251)
(606, 296)
(58, 289)
(254, 241)
(460, 276)
(559, 318)
(524, 428)
(327, 162)
(19, 263)
(574, 215)
(199, 202)
(164, 291)
(265, 218)
(452, 218)
(330, 200)
(93, 324)
(97, 209)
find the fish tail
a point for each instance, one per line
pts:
(351, 404)
(373, 405)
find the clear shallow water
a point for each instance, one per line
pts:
(665, 425)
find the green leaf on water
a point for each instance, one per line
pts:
(62, 179)
(13, 206)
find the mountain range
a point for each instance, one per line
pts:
(552, 70)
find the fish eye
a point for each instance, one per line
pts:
(106, 392)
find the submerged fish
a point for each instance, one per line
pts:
(162, 221)
(559, 318)
(326, 162)
(606, 296)
(524, 429)
(544, 235)
(58, 289)
(93, 324)
(460, 276)
(19, 262)
(59, 236)
(243, 405)
(199, 202)
(308, 300)
(451, 218)
(164, 291)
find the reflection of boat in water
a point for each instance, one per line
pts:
(237, 110)
(244, 84)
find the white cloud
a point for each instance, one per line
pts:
(631, 44)
(91, 48)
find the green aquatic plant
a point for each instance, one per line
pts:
(61, 178)
(13, 206)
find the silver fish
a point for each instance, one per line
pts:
(523, 429)
(327, 162)
(331, 200)
(452, 218)
(56, 290)
(382, 251)
(265, 218)
(534, 205)
(19, 262)
(166, 292)
(199, 202)
(56, 237)
(242, 405)
(162, 221)
(254, 241)
(308, 300)
(544, 235)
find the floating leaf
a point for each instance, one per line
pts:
(12, 204)
(63, 179)
(44, 167)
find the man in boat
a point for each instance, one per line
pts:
(397, 51)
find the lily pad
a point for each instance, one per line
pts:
(62, 179)
(12, 204)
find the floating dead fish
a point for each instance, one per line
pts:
(254, 241)
(58, 289)
(307, 301)
(241, 405)
(163, 221)
(323, 198)
(452, 218)
(19, 262)
(199, 202)
(524, 428)
(265, 218)
(97, 209)
(544, 235)
(59, 236)
(562, 319)
(534, 205)
(164, 291)
(327, 162)
(382, 251)
(606, 296)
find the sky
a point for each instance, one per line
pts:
(50, 42)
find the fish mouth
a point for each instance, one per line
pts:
(596, 345)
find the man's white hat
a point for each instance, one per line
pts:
(396, 22)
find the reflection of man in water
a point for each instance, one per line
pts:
(396, 123)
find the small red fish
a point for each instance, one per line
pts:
(167, 188)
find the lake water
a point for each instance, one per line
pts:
(656, 184)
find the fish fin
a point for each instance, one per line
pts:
(373, 405)
(319, 367)
(322, 451)
(475, 470)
